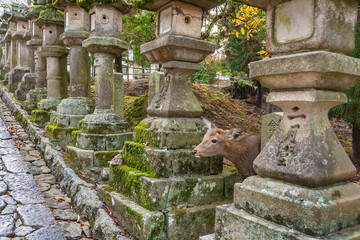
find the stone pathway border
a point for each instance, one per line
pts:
(24, 212)
(83, 195)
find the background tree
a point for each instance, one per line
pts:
(350, 111)
(139, 27)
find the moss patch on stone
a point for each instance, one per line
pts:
(127, 180)
(135, 109)
(142, 135)
(40, 116)
(134, 155)
(102, 159)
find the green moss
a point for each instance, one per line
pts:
(52, 15)
(108, 188)
(40, 116)
(137, 216)
(142, 135)
(135, 109)
(127, 180)
(134, 155)
(102, 159)
(74, 136)
(179, 212)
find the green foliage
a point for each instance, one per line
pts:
(138, 28)
(51, 14)
(208, 71)
(350, 111)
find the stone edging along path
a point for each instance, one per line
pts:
(83, 195)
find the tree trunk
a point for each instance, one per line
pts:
(356, 145)
(259, 95)
(118, 64)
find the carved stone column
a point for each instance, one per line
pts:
(55, 53)
(73, 109)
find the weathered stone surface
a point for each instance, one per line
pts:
(2, 204)
(3, 188)
(104, 226)
(270, 123)
(15, 166)
(72, 230)
(87, 201)
(142, 223)
(7, 143)
(8, 199)
(53, 232)
(320, 207)
(20, 181)
(53, 192)
(170, 133)
(318, 69)
(9, 209)
(7, 151)
(305, 149)
(169, 163)
(7, 224)
(36, 215)
(198, 221)
(45, 178)
(233, 223)
(52, 203)
(44, 187)
(39, 163)
(163, 193)
(65, 214)
(156, 83)
(23, 231)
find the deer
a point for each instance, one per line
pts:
(226, 143)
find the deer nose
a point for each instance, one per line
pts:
(193, 152)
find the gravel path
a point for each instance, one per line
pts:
(32, 205)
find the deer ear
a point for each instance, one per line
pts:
(207, 124)
(233, 134)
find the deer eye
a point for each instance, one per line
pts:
(213, 141)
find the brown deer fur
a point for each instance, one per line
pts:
(242, 152)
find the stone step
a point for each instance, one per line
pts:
(208, 237)
(234, 223)
(145, 225)
(100, 142)
(166, 193)
(169, 163)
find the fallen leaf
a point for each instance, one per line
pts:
(78, 218)
(38, 156)
(59, 199)
(110, 213)
(44, 171)
(68, 200)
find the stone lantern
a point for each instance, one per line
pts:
(73, 109)
(52, 23)
(3, 29)
(20, 53)
(40, 62)
(37, 77)
(303, 184)
(103, 133)
(172, 192)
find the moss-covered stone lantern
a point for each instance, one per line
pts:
(73, 109)
(35, 43)
(171, 191)
(302, 189)
(19, 57)
(52, 22)
(103, 133)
